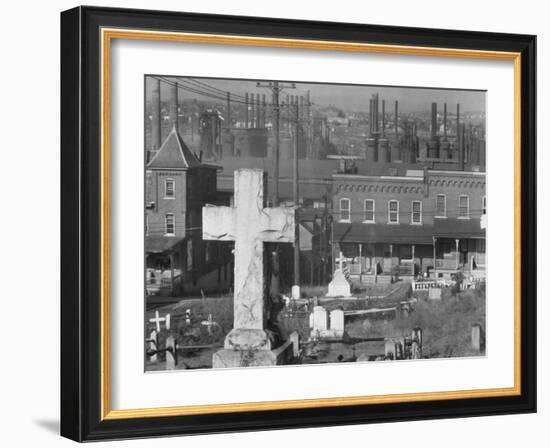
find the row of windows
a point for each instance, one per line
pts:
(416, 209)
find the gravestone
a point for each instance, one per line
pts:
(295, 292)
(295, 339)
(153, 345)
(476, 338)
(157, 320)
(249, 224)
(170, 355)
(337, 323)
(339, 286)
(321, 328)
(434, 293)
(319, 319)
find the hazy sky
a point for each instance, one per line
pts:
(350, 97)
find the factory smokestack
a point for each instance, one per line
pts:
(264, 110)
(434, 120)
(252, 111)
(396, 119)
(373, 114)
(457, 119)
(383, 118)
(246, 110)
(174, 105)
(258, 111)
(156, 139)
(445, 120)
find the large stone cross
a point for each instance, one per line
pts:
(250, 224)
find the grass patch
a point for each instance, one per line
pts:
(446, 324)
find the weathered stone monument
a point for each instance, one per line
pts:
(477, 338)
(339, 286)
(337, 323)
(171, 351)
(320, 322)
(323, 327)
(250, 224)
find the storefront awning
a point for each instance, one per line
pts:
(382, 233)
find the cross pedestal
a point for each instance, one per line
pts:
(250, 224)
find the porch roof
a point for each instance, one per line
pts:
(157, 244)
(382, 233)
(458, 228)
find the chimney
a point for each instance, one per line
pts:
(445, 120)
(396, 119)
(457, 120)
(156, 139)
(252, 111)
(434, 120)
(383, 118)
(174, 105)
(258, 110)
(264, 111)
(246, 110)
(461, 147)
(376, 115)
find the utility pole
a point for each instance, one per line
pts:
(296, 122)
(228, 122)
(276, 87)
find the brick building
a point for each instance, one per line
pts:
(426, 222)
(178, 185)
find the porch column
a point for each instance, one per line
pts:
(412, 264)
(171, 258)
(360, 260)
(391, 258)
(457, 255)
(434, 240)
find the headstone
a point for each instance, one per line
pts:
(389, 348)
(319, 319)
(416, 335)
(337, 323)
(476, 337)
(170, 354)
(153, 345)
(434, 293)
(295, 339)
(249, 224)
(339, 286)
(188, 316)
(295, 292)
(157, 320)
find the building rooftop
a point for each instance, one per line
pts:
(174, 154)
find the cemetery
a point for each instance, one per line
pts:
(252, 327)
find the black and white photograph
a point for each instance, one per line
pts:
(292, 223)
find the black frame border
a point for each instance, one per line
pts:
(81, 223)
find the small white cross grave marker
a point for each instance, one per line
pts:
(157, 320)
(250, 224)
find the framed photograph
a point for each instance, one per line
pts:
(276, 224)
